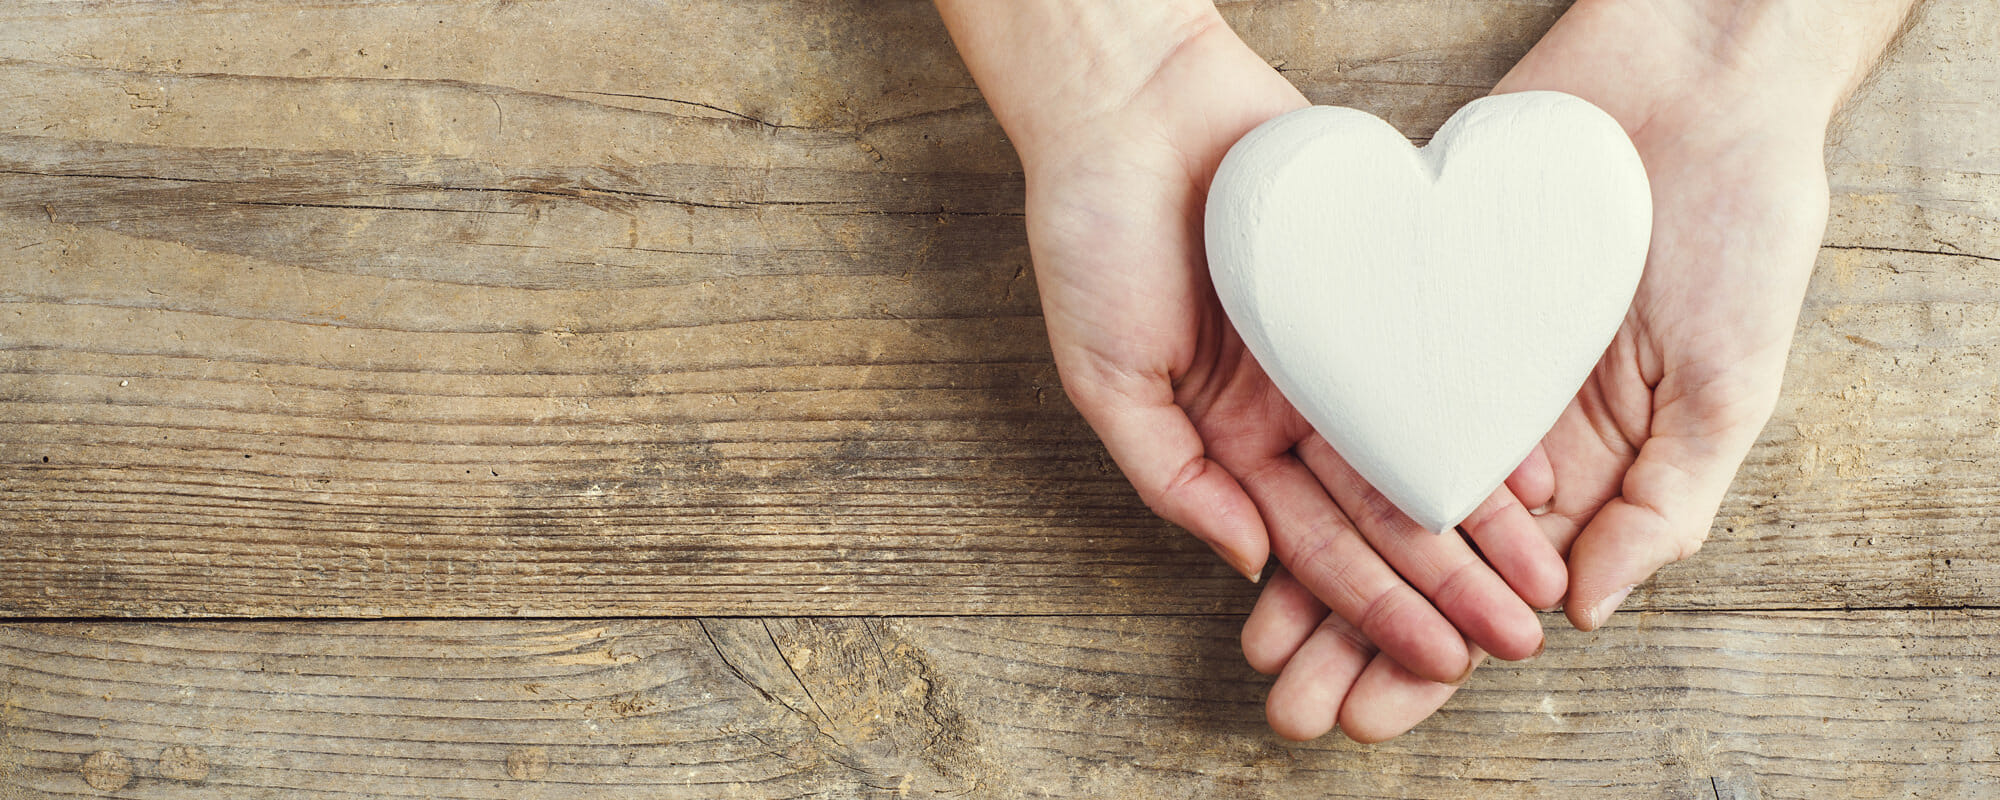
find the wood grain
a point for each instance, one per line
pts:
(477, 308)
(1734, 705)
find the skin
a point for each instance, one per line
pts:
(1122, 109)
(1730, 118)
(1118, 147)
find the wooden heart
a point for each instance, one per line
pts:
(1431, 311)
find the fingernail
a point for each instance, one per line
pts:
(1539, 649)
(1609, 604)
(1470, 666)
(1252, 572)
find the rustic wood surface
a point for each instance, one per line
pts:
(385, 309)
(1664, 705)
(722, 311)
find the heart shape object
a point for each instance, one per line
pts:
(1431, 311)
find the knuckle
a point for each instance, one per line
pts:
(1316, 559)
(1381, 611)
(1483, 515)
(1377, 512)
(1161, 498)
(1319, 559)
(1350, 636)
(1458, 584)
(1687, 546)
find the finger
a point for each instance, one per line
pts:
(1314, 540)
(1587, 467)
(1443, 568)
(1511, 541)
(1669, 500)
(1388, 700)
(1306, 699)
(1286, 613)
(1534, 482)
(1157, 448)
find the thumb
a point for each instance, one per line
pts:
(1158, 449)
(1667, 504)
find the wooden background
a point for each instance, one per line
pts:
(674, 372)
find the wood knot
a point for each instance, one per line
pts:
(106, 770)
(527, 764)
(183, 763)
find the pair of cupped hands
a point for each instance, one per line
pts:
(1370, 622)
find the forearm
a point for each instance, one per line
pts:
(1867, 29)
(1048, 65)
(1824, 48)
(1793, 62)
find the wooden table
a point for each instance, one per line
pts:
(594, 399)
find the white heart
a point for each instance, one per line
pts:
(1431, 312)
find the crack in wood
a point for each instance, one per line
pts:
(737, 114)
(371, 207)
(1910, 250)
(782, 656)
(731, 665)
(109, 176)
(585, 194)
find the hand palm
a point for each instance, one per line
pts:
(1642, 458)
(1149, 357)
(1136, 330)
(1131, 313)
(1632, 472)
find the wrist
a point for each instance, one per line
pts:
(1810, 53)
(1781, 65)
(1049, 67)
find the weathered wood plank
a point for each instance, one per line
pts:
(1666, 705)
(368, 308)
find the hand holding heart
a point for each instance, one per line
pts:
(1431, 311)
(1634, 468)
(1121, 128)
(1115, 190)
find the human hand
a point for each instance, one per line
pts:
(1730, 123)
(1728, 103)
(1118, 150)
